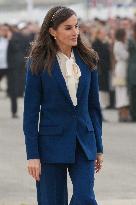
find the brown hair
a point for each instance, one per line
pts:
(43, 50)
(120, 34)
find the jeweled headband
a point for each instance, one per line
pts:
(56, 14)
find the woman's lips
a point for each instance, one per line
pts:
(74, 39)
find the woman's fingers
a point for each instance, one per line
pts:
(32, 171)
(37, 174)
(98, 165)
(98, 168)
(34, 168)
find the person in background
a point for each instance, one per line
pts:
(84, 34)
(126, 24)
(3, 52)
(28, 33)
(103, 51)
(111, 40)
(121, 54)
(16, 65)
(132, 74)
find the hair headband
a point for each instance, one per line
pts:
(56, 13)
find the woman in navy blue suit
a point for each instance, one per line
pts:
(62, 119)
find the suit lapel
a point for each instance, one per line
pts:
(61, 81)
(82, 66)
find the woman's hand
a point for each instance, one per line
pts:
(98, 162)
(34, 168)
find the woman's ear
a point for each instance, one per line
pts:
(52, 32)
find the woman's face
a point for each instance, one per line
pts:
(102, 34)
(67, 33)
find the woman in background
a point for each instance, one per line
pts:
(120, 80)
(104, 66)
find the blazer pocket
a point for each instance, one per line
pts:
(50, 130)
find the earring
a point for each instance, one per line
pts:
(55, 37)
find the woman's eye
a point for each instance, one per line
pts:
(68, 28)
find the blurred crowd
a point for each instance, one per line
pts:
(115, 42)
(113, 39)
(14, 45)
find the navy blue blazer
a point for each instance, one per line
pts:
(51, 122)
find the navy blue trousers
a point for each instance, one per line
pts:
(52, 187)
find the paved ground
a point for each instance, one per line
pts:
(115, 185)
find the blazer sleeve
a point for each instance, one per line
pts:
(32, 102)
(95, 110)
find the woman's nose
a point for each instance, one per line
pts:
(75, 31)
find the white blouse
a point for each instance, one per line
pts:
(71, 73)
